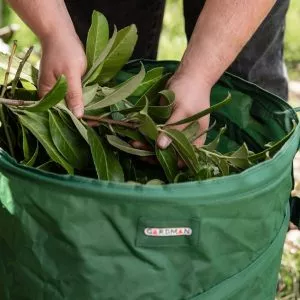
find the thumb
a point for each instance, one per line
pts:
(163, 141)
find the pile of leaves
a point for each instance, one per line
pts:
(46, 135)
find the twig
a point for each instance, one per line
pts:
(20, 68)
(4, 88)
(14, 102)
(112, 122)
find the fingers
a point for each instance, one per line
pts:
(139, 145)
(74, 95)
(163, 141)
(46, 82)
(63, 55)
(203, 124)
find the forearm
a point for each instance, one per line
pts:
(222, 30)
(44, 17)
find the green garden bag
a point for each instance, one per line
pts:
(75, 238)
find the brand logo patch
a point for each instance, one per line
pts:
(175, 231)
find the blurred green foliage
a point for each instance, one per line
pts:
(292, 40)
(173, 41)
(24, 36)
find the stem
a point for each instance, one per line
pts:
(14, 102)
(4, 88)
(20, 68)
(112, 122)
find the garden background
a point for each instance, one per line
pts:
(172, 46)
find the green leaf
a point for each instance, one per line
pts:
(153, 93)
(272, 149)
(125, 147)
(121, 93)
(89, 93)
(203, 113)
(49, 166)
(182, 177)
(223, 166)
(97, 37)
(25, 145)
(191, 131)
(206, 172)
(38, 125)
(105, 161)
(155, 182)
(168, 160)
(28, 85)
(150, 79)
(57, 94)
(218, 160)
(115, 115)
(240, 158)
(93, 73)
(80, 127)
(214, 144)
(130, 133)
(168, 95)
(69, 143)
(32, 160)
(162, 113)
(184, 149)
(120, 53)
(147, 126)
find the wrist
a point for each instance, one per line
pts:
(193, 78)
(56, 33)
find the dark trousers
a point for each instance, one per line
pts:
(261, 61)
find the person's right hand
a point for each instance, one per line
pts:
(63, 54)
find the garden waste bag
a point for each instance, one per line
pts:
(74, 238)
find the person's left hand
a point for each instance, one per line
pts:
(192, 95)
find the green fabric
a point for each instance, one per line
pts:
(74, 238)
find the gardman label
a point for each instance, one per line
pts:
(166, 232)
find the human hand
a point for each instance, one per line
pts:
(191, 96)
(63, 53)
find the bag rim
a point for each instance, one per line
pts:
(8, 166)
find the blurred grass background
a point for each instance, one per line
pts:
(172, 45)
